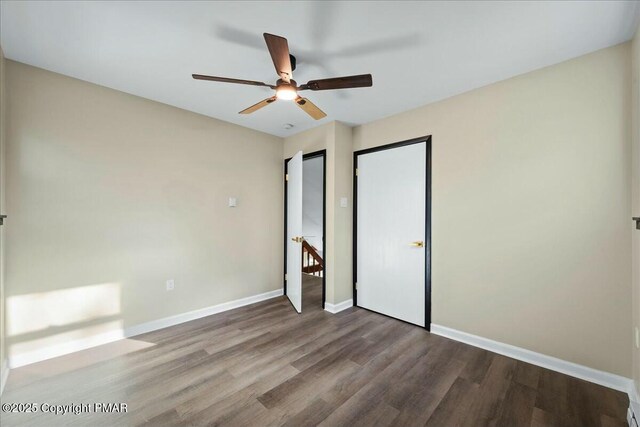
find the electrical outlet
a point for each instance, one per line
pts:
(171, 284)
(637, 337)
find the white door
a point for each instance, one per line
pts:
(294, 231)
(391, 209)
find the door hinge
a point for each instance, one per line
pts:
(286, 177)
(356, 286)
(285, 276)
(356, 171)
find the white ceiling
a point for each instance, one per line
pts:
(418, 52)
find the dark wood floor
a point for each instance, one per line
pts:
(266, 365)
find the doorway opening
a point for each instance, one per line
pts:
(313, 245)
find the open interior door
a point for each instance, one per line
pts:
(294, 231)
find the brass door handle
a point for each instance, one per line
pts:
(418, 244)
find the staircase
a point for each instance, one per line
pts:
(312, 262)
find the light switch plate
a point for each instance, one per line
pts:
(343, 202)
(233, 202)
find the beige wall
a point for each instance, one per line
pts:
(635, 115)
(343, 217)
(530, 220)
(3, 127)
(336, 138)
(110, 195)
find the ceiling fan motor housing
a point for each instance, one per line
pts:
(291, 83)
(292, 59)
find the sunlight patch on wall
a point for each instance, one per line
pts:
(44, 310)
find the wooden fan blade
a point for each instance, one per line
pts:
(279, 50)
(310, 108)
(362, 80)
(228, 80)
(258, 106)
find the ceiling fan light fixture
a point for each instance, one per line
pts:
(286, 93)
(286, 88)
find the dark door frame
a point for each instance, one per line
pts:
(308, 156)
(427, 252)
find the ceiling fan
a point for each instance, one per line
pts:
(286, 88)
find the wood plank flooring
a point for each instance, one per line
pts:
(265, 365)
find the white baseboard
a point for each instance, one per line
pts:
(634, 396)
(50, 352)
(336, 308)
(5, 375)
(606, 379)
(154, 325)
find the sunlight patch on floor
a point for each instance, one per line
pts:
(75, 361)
